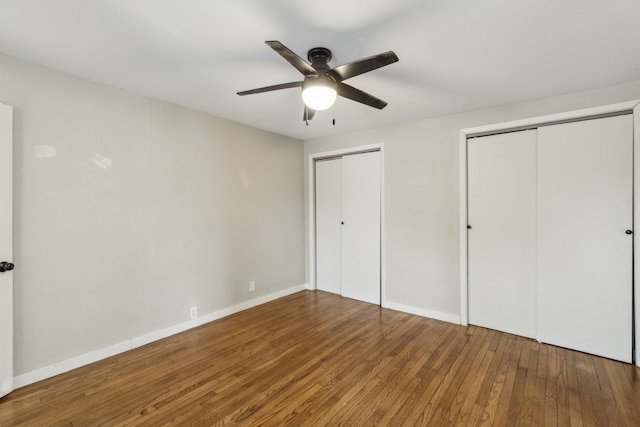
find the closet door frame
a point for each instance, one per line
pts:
(311, 210)
(612, 109)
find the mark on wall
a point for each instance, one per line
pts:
(244, 177)
(45, 151)
(101, 161)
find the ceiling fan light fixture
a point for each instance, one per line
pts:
(322, 84)
(319, 93)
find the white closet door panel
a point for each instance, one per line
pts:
(6, 249)
(584, 256)
(361, 229)
(328, 228)
(501, 212)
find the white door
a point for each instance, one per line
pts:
(6, 277)
(328, 181)
(502, 237)
(584, 255)
(361, 175)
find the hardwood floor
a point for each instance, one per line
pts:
(317, 359)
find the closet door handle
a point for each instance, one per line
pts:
(628, 232)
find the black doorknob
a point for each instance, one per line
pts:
(628, 232)
(6, 266)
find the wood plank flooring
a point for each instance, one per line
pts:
(316, 359)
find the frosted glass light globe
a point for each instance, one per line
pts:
(319, 97)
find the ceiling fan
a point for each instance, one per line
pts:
(321, 84)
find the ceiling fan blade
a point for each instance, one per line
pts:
(308, 114)
(357, 95)
(270, 88)
(355, 68)
(293, 59)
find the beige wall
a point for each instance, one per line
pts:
(422, 194)
(128, 211)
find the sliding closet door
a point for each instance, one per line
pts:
(361, 229)
(348, 225)
(328, 181)
(584, 254)
(502, 237)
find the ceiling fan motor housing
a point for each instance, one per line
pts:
(319, 58)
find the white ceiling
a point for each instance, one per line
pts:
(455, 55)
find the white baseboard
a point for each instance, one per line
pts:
(437, 315)
(94, 356)
(69, 364)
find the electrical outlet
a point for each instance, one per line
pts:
(193, 312)
(252, 286)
